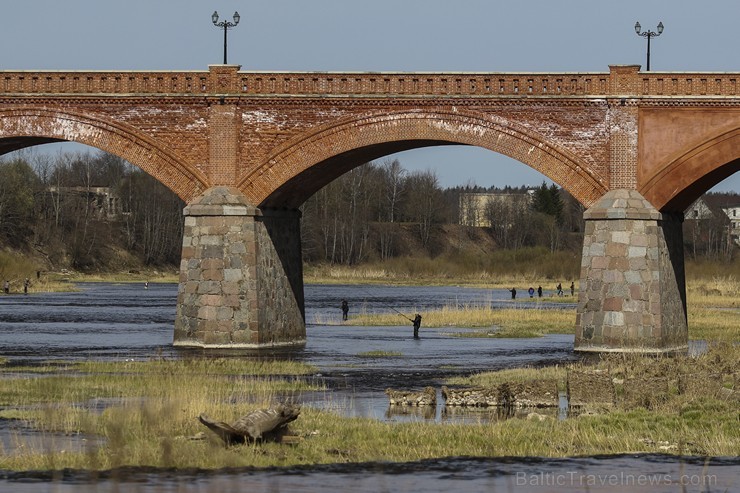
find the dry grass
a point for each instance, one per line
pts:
(155, 405)
(500, 269)
(16, 268)
(532, 322)
(492, 379)
(717, 291)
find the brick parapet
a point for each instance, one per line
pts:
(227, 79)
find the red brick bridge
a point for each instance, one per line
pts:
(246, 149)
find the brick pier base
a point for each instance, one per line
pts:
(241, 275)
(632, 293)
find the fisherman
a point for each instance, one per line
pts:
(417, 324)
(513, 293)
(539, 291)
(26, 283)
(345, 309)
(531, 292)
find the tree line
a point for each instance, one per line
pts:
(374, 212)
(50, 204)
(380, 210)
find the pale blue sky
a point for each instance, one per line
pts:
(378, 35)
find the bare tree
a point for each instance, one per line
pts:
(425, 202)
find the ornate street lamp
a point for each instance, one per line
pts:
(226, 25)
(648, 35)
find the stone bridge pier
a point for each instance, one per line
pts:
(241, 274)
(632, 293)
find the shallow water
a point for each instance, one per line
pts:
(125, 321)
(648, 473)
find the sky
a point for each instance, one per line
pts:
(378, 35)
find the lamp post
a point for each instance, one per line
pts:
(226, 25)
(648, 34)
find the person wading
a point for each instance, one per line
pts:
(345, 309)
(417, 324)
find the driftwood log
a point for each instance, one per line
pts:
(263, 424)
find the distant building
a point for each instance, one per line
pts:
(733, 213)
(699, 210)
(477, 209)
(105, 203)
(721, 207)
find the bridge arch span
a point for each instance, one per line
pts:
(686, 177)
(30, 126)
(304, 165)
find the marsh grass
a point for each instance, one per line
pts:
(136, 437)
(151, 414)
(519, 375)
(711, 306)
(715, 291)
(139, 409)
(714, 324)
(532, 322)
(379, 354)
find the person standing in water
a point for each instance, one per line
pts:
(417, 324)
(345, 309)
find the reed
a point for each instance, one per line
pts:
(511, 322)
(153, 414)
(379, 354)
(519, 375)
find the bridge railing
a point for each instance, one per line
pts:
(105, 82)
(417, 84)
(412, 84)
(697, 84)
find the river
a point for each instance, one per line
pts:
(126, 321)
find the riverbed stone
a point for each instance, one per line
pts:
(426, 397)
(538, 393)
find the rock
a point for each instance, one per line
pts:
(542, 393)
(427, 397)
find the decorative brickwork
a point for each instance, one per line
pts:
(623, 124)
(280, 136)
(260, 143)
(632, 291)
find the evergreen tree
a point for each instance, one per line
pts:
(547, 200)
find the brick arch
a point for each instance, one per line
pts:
(689, 175)
(42, 126)
(301, 167)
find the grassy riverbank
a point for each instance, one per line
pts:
(145, 414)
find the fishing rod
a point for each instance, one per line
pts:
(401, 314)
(387, 306)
